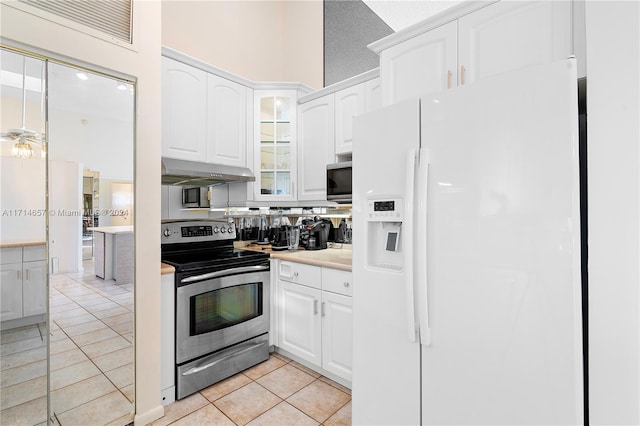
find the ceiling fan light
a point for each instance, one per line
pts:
(22, 150)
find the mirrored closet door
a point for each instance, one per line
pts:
(71, 253)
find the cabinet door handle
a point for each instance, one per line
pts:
(322, 307)
(449, 79)
(17, 275)
(295, 274)
(27, 275)
(346, 283)
(315, 307)
(462, 70)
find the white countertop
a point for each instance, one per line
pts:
(113, 229)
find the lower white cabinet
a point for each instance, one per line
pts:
(300, 327)
(23, 282)
(314, 324)
(34, 291)
(337, 334)
(10, 291)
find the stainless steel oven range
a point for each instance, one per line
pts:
(221, 303)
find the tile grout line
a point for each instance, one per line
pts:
(102, 372)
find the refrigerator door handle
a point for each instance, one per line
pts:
(409, 248)
(422, 181)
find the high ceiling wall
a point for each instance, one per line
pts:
(258, 40)
(349, 26)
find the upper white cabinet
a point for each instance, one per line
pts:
(423, 64)
(501, 37)
(184, 111)
(325, 129)
(349, 102)
(226, 121)
(204, 116)
(275, 145)
(316, 147)
(372, 94)
(507, 36)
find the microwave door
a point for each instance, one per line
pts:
(339, 182)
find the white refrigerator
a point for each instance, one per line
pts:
(467, 289)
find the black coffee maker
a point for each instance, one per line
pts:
(319, 233)
(278, 238)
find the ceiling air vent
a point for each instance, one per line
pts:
(112, 17)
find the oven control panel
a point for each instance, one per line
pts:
(190, 231)
(196, 231)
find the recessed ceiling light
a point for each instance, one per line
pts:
(82, 76)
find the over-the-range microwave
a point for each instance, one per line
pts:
(339, 182)
(195, 197)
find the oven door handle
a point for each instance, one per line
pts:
(223, 273)
(233, 353)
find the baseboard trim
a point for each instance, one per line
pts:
(147, 417)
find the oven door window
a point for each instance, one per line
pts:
(218, 309)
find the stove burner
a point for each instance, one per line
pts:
(200, 246)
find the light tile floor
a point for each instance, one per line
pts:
(91, 335)
(276, 392)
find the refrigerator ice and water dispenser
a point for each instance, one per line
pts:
(384, 217)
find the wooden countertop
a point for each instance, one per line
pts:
(166, 269)
(113, 229)
(335, 258)
(21, 243)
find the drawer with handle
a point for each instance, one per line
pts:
(337, 281)
(300, 274)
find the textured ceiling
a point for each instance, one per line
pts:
(399, 14)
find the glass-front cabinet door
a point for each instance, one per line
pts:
(275, 153)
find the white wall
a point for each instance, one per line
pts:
(258, 40)
(303, 43)
(143, 63)
(65, 226)
(613, 113)
(22, 187)
(102, 144)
